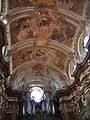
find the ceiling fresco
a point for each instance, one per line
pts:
(39, 54)
(75, 6)
(45, 25)
(43, 39)
(27, 3)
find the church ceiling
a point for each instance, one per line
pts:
(76, 6)
(44, 24)
(42, 37)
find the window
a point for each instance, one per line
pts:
(86, 39)
(37, 94)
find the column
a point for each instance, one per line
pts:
(33, 107)
(43, 105)
(52, 107)
(48, 108)
(28, 103)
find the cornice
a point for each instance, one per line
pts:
(81, 67)
(66, 92)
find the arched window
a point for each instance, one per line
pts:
(86, 40)
(4, 53)
(37, 94)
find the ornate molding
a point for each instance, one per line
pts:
(81, 67)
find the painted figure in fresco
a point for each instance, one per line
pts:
(43, 26)
(57, 35)
(25, 2)
(19, 3)
(25, 31)
(73, 5)
(26, 54)
(66, 3)
(25, 34)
